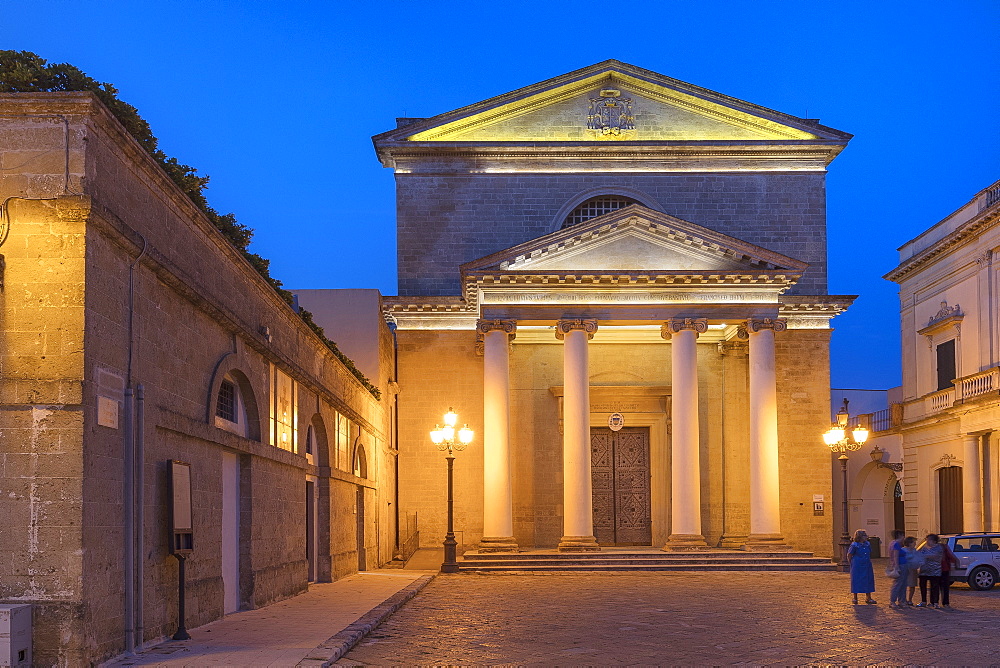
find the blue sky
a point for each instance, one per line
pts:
(277, 103)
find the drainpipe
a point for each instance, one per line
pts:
(128, 508)
(129, 493)
(140, 516)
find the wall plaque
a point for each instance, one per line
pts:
(107, 412)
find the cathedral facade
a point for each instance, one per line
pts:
(618, 280)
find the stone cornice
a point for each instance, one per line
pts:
(700, 156)
(633, 221)
(827, 304)
(968, 232)
(812, 311)
(582, 278)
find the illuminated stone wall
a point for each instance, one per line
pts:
(536, 443)
(42, 412)
(199, 311)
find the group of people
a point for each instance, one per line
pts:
(930, 563)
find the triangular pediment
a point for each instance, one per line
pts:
(590, 105)
(636, 240)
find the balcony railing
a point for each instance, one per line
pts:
(990, 197)
(977, 384)
(880, 420)
(966, 388)
(940, 400)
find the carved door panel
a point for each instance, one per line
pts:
(620, 470)
(602, 475)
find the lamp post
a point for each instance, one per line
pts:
(838, 440)
(445, 439)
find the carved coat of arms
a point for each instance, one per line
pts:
(611, 114)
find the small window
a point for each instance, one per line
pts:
(597, 206)
(310, 438)
(360, 462)
(225, 407)
(945, 364)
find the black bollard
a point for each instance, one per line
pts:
(182, 633)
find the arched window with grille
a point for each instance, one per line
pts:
(230, 407)
(597, 206)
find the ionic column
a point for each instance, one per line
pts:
(685, 467)
(972, 485)
(498, 524)
(765, 510)
(578, 501)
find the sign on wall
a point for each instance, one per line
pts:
(181, 517)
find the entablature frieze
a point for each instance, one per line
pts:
(454, 313)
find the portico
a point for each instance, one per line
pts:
(730, 294)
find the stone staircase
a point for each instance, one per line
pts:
(641, 560)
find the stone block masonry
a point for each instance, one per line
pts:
(446, 219)
(198, 313)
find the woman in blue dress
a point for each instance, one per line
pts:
(859, 555)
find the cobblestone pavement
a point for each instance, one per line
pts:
(675, 618)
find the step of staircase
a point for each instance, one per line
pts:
(645, 560)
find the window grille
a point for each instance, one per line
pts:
(225, 407)
(597, 206)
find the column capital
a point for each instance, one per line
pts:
(563, 327)
(754, 325)
(674, 325)
(485, 326)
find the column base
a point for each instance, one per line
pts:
(498, 544)
(766, 542)
(734, 541)
(685, 542)
(578, 544)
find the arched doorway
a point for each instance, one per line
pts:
(874, 502)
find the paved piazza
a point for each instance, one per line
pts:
(703, 618)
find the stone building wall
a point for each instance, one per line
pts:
(199, 311)
(802, 360)
(446, 218)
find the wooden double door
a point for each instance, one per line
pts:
(619, 462)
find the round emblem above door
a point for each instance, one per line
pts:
(616, 421)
